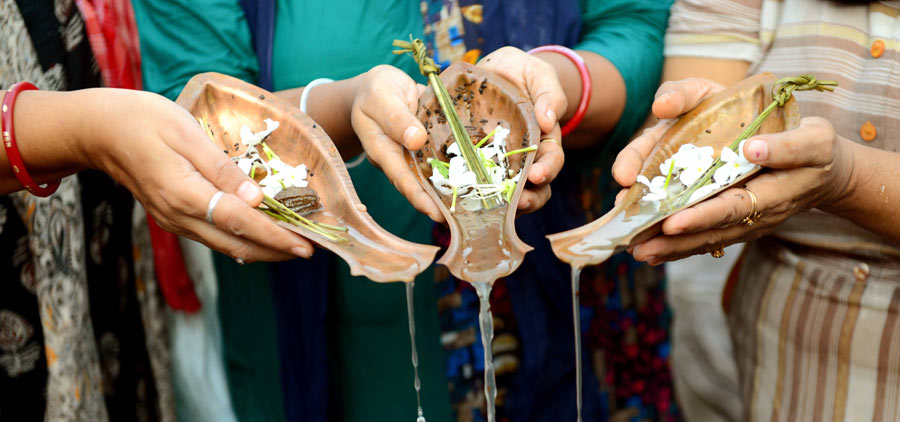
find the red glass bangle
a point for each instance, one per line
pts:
(12, 150)
(586, 83)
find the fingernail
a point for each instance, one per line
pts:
(551, 116)
(664, 97)
(301, 251)
(409, 134)
(248, 191)
(758, 149)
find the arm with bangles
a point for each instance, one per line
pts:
(155, 149)
(810, 167)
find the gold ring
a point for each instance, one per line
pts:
(753, 215)
(718, 253)
(550, 140)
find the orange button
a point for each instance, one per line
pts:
(868, 132)
(877, 48)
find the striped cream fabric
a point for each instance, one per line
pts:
(815, 314)
(816, 337)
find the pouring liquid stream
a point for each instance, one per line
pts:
(486, 325)
(576, 320)
(415, 354)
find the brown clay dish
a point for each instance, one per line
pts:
(484, 245)
(716, 122)
(226, 104)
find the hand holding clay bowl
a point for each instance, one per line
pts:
(500, 122)
(323, 196)
(688, 154)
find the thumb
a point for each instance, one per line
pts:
(810, 145)
(393, 109)
(675, 98)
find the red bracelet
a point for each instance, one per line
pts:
(586, 83)
(12, 150)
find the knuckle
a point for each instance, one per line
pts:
(234, 223)
(223, 169)
(239, 249)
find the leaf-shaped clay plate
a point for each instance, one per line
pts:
(716, 122)
(484, 245)
(226, 104)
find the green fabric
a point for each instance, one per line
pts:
(250, 340)
(373, 374)
(181, 38)
(628, 33)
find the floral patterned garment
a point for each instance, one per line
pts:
(624, 318)
(72, 343)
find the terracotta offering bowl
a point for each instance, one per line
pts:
(484, 245)
(716, 122)
(225, 104)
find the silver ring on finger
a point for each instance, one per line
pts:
(212, 206)
(239, 260)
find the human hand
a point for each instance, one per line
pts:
(161, 154)
(383, 116)
(672, 100)
(810, 166)
(540, 82)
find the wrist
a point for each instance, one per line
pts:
(83, 119)
(846, 176)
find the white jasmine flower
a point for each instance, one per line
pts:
(453, 150)
(500, 135)
(460, 175)
(498, 174)
(294, 176)
(278, 166)
(252, 139)
(245, 164)
(441, 184)
(693, 162)
(735, 165)
(657, 190)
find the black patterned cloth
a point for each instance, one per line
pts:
(73, 309)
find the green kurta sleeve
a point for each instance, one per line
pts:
(629, 33)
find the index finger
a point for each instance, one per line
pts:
(548, 160)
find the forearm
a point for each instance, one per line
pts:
(872, 195)
(725, 72)
(607, 95)
(48, 127)
(330, 106)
